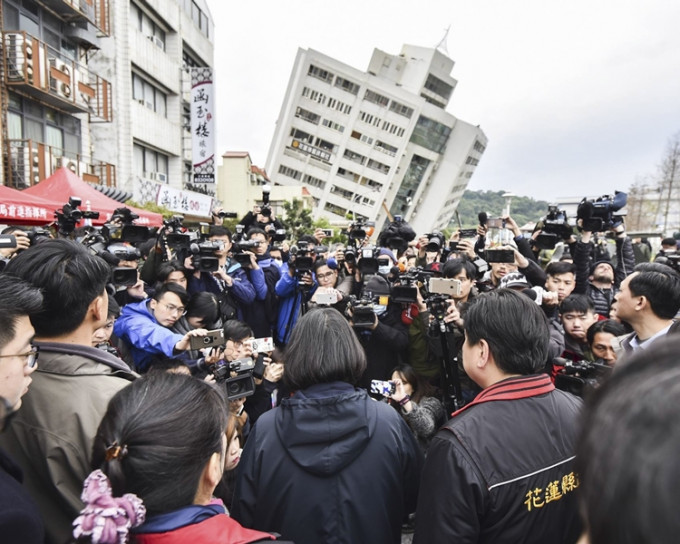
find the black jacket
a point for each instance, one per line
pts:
(20, 520)
(501, 471)
(329, 465)
(385, 347)
(625, 262)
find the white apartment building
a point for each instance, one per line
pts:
(154, 44)
(369, 143)
(102, 87)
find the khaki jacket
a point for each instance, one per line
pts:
(52, 434)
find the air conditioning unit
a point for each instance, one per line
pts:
(160, 177)
(71, 164)
(13, 44)
(157, 42)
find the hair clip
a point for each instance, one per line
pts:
(114, 451)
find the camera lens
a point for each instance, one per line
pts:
(207, 339)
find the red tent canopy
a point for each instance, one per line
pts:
(21, 208)
(64, 184)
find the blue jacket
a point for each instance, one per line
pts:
(138, 327)
(289, 303)
(261, 315)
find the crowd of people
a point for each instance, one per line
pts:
(238, 387)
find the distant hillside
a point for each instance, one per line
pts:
(522, 209)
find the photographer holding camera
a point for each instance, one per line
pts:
(295, 287)
(598, 278)
(145, 326)
(229, 282)
(263, 274)
(382, 332)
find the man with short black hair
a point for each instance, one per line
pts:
(577, 314)
(145, 326)
(52, 435)
(263, 273)
(229, 282)
(501, 470)
(627, 454)
(649, 300)
(20, 520)
(600, 280)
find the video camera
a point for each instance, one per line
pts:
(176, 239)
(203, 256)
(242, 384)
(244, 245)
(397, 235)
(121, 228)
(406, 287)
(669, 258)
(578, 378)
(300, 258)
(555, 228)
(363, 313)
(358, 231)
(69, 215)
(602, 213)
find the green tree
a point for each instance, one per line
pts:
(298, 220)
(523, 209)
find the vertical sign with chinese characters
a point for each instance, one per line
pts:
(202, 125)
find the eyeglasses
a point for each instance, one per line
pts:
(325, 276)
(181, 310)
(31, 356)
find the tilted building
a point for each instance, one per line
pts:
(378, 143)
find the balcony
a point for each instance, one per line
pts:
(95, 12)
(28, 162)
(34, 68)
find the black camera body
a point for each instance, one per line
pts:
(203, 256)
(556, 227)
(363, 315)
(279, 235)
(578, 378)
(435, 241)
(300, 258)
(227, 215)
(238, 386)
(603, 213)
(244, 245)
(357, 231)
(69, 215)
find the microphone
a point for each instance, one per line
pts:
(483, 218)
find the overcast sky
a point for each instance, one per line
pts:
(577, 97)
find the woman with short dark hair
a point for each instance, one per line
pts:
(329, 464)
(159, 453)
